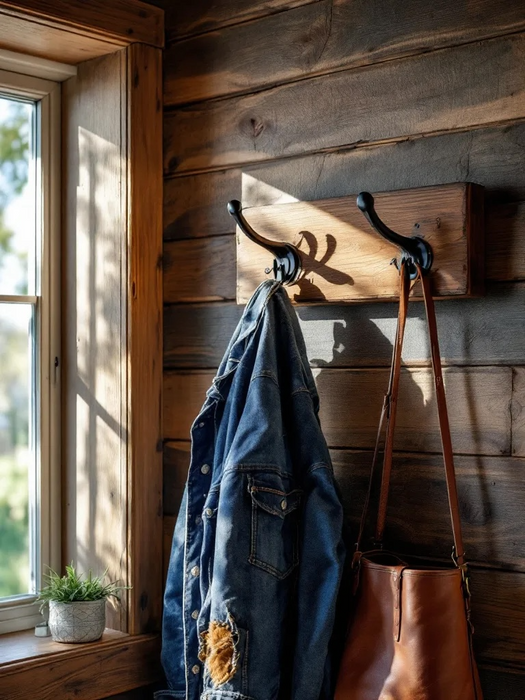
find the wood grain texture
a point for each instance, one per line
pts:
(196, 335)
(498, 614)
(478, 404)
(195, 206)
(94, 671)
(183, 395)
(113, 328)
(121, 21)
(424, 94)
(209, 264)
(478, 400)
(518, 411)
(176, 462)
(506, 242)
(145, 337)
(199, 270)
(63, 45)
(24, 646)
(169, 528)
(323, 37)
(145, 692)
(491, 495)
(343, 259)
(482, 331)
(184, 19)
(94, 440)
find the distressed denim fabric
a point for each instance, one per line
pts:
(257, 552)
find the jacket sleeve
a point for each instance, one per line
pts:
(320, 570)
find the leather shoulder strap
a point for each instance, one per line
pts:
(389, 413)
(386, 411)
(444, 426)
(392, 396)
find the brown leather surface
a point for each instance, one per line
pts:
(409, 637)
(432, 658)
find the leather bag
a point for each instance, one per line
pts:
(409, 635)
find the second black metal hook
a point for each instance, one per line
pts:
(287, 262)
(415, 249)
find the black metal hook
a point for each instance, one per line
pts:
(415, 249)
(287, 262)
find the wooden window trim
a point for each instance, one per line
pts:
(97, 27)
(145, 315)
(106, 26)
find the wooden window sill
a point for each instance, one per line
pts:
(115, 664)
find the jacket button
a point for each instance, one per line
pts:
(195, 614)
(195, 571)
(195, 669)
(208, 512)
(284, 504)
(205, 468)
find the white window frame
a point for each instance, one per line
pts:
(22, 612)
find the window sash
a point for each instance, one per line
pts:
(22, 612)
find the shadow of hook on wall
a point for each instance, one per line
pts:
(287, 260)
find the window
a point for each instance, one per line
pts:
(29, 343)
(117, 108)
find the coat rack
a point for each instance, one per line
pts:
(327, 252)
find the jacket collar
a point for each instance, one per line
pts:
(250, 320)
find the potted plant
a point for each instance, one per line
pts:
(77, 605)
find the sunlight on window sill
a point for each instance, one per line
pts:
(24, 646)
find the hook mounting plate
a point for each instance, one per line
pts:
(345, 261)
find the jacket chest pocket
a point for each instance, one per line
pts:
(274, 537)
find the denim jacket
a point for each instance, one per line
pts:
(257, 551)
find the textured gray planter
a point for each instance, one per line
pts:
(79, 621)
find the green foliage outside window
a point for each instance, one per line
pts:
(14, 359)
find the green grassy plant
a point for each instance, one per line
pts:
(74, 587)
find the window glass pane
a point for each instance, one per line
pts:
(17, 196)
(17, 454)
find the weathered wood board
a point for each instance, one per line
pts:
(491, 497)
(485, 331)
(208, 272)
(200, 270)
(193, 18)
(478, 398)
(195, 205)
(389, 101)
(518, 410)
(344, 260)
(321, 37)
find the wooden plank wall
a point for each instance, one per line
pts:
(273, 101)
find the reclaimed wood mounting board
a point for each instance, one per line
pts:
(345, 260)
